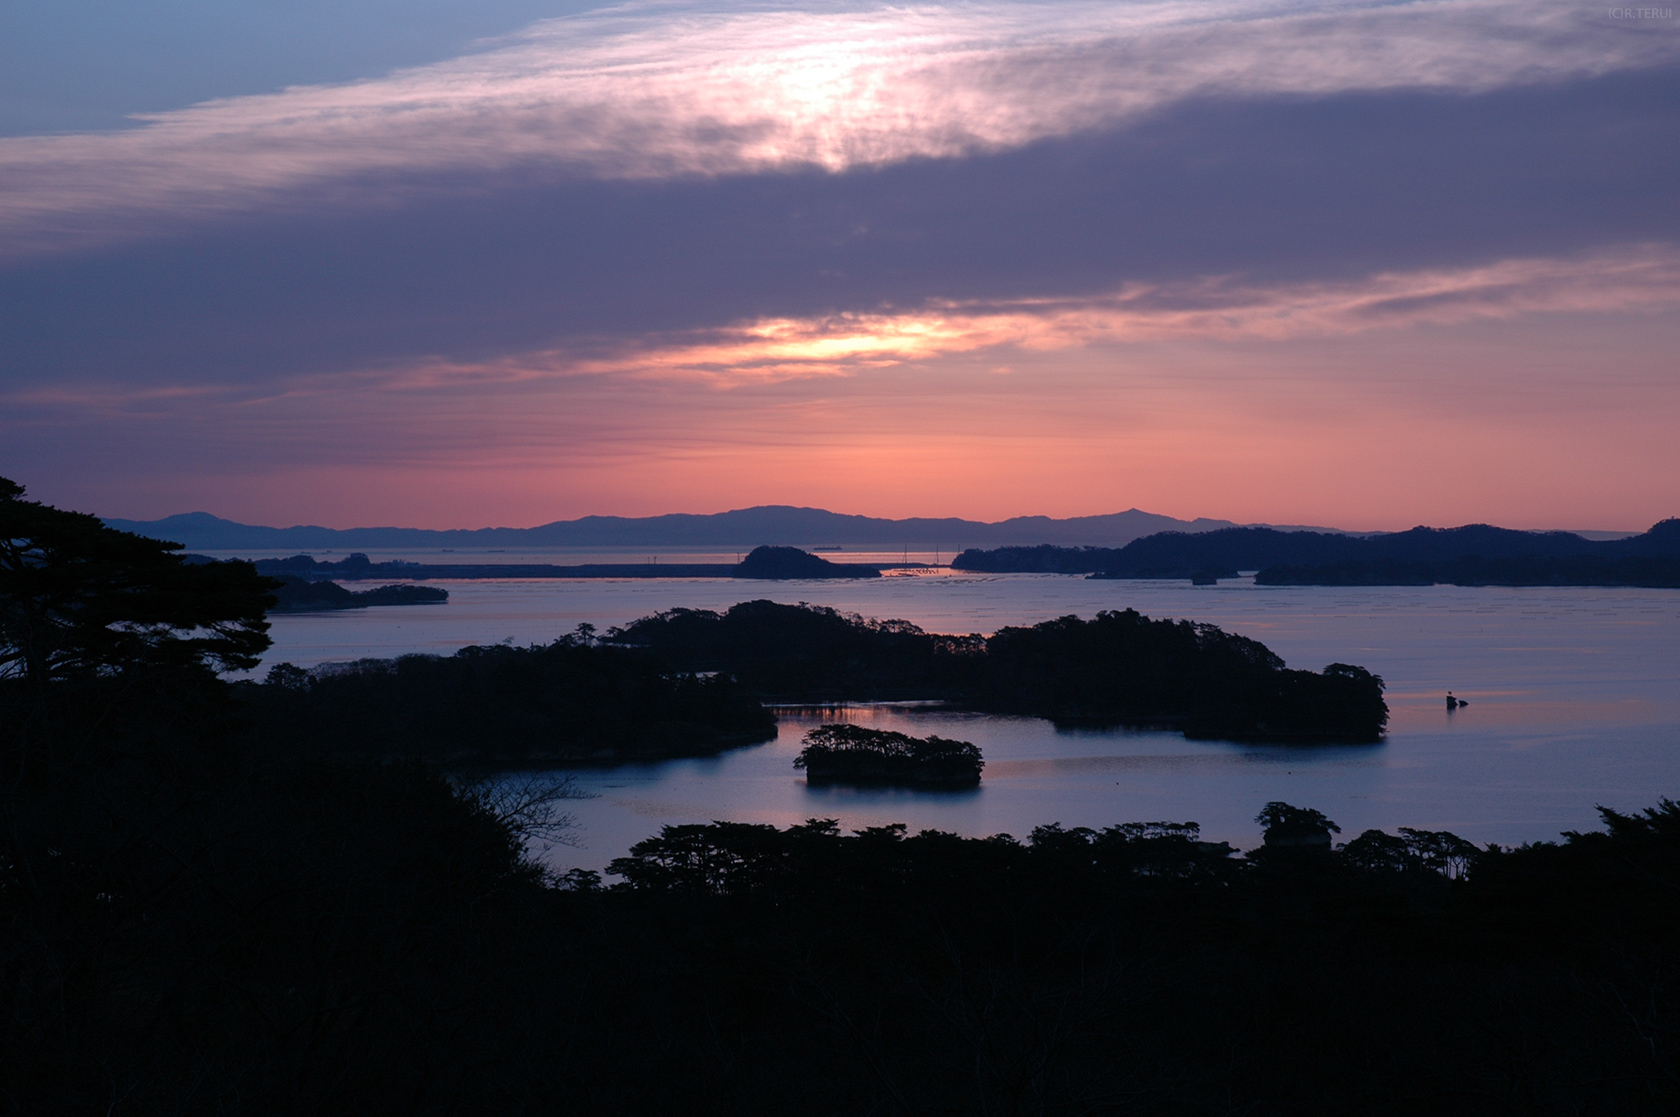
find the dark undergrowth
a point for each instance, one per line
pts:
(199, 919)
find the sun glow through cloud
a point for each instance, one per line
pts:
(657, 92)
(1639, 278)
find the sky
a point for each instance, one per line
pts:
(464, 263)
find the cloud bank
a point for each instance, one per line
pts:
(661, 92)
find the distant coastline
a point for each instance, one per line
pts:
(769, 563)
(1473, 555)
(775, 525)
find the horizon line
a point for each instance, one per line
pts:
(1585, 532)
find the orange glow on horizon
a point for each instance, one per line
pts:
(1488, 421)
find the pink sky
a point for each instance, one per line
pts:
(1566, 421)
(1343, 262)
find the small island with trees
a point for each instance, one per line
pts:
(293, 594)
(859, 756)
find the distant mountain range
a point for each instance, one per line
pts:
(775, 525)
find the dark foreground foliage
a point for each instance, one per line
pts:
(1117, 668)
(859, 756)
(202, 911)
(568, 701)
(189, 924)
(192, 922)
(78, 599)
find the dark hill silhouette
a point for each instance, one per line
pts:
(1169, 554)
(1416, 556)
(1663, 540)
(791, 562)
(1172, 555)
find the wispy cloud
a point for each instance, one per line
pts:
(1644, 278)
(650, 92)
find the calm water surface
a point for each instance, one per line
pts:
(1575, 700)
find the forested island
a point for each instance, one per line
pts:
(692, 682)
(1476, 555)
(1119, 668)
(211, 903)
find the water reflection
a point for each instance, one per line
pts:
(1574, 700)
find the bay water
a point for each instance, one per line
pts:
(1574, 701)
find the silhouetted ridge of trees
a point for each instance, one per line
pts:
(79, 599)
(1117, 668)
(740, 859)
(1136, 962)
(568, 701)
(1478, 553)
(807, 653)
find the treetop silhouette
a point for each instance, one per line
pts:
(78, 598)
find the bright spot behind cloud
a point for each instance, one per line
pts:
(659, 92)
